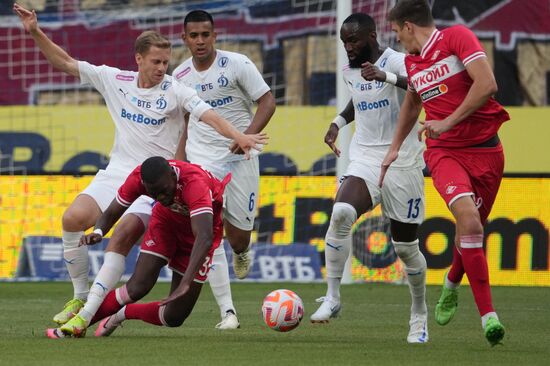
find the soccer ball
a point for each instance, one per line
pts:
(282, 310)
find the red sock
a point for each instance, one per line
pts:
(109, 306)
(456, 272)
(148, 312)
(475, 266)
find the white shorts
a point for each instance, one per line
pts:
(402, 194)
(103, 189)
(241, 194)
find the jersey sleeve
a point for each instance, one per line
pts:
(131, 189)
(396, 63)
(94, 75)
(189, 99)
(250, 79)
(465, 45)
(198, 197)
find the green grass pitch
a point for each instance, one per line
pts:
(372, 330)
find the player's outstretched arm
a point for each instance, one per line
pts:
(104, 223)
(56, 56)
(410, 109)
(264, 112)
(224, 128)
(202, 227)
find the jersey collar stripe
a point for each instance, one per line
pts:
(430, 43)
(201, 210)
(177, 171)
(473, 56)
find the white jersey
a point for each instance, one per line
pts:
(148, 122)
(230, 86)
(377, 106)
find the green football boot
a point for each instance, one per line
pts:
(71, 309)
(494, 331)
(446, 305)
(75, 327)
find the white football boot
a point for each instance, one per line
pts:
(330, 308)
(229, 321)
(418, 332)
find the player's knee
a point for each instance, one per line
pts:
(73, 220)
(342, 219)
(411, 255)
(174, 322)
(469, 223)
(174, 317)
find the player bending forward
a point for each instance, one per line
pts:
(185, 229)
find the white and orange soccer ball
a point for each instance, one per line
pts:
(282, 310)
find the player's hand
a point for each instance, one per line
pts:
(28, 18)
(390, 157)
(330, 138)
(236, 149)
(248, 142)
(90, 239)
(180, 291)
(371, 72)
(433, 129)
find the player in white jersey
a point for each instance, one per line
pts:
(377, 82)
(230, 83)
(148, 110)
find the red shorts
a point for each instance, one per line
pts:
(469, 171)
(173, 240)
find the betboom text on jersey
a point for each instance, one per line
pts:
(140, 118)
(219, 102)
(365, 106)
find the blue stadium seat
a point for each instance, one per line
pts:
(326, 165)
(277, 164)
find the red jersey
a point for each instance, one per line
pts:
(196, 193)
(440, 78)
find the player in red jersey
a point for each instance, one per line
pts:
(450, 77)
(185, 229)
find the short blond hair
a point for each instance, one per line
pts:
(148, 39)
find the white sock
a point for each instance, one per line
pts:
(119, 316)
(109, 274)
(218, 277)
(449, 284)
(77, 262)
(338, 245)
(486, 317)
(415, 266)
(333, 288)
